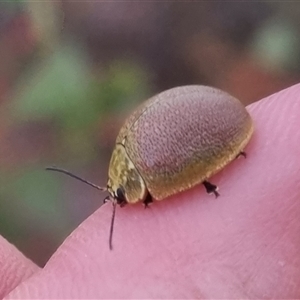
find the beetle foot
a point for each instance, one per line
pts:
(148, 200)
(211, 188)
(242, 153)
(122, 204)
(106, 199)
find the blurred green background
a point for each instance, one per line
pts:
(70, 72)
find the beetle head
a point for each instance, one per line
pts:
(125, 184)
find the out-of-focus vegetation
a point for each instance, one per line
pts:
(71, 71)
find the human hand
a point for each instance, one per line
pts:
(245, 244)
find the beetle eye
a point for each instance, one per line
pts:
(120, 195)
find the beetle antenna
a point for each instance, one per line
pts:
(111, 231)
(76, 177)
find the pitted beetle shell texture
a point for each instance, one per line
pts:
(179, 138)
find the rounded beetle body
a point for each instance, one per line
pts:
(176, 140)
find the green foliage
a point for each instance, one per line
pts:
(124, 85)
(277, 46)
(55, 87)
(41, 204)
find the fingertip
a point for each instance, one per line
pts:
(14, 267)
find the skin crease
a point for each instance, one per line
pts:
(245, 244)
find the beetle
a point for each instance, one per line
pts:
(172, 142)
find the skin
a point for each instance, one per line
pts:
(245, 244)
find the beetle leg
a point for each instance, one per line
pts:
(242, 153)
(211, 188)
(148, 200)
